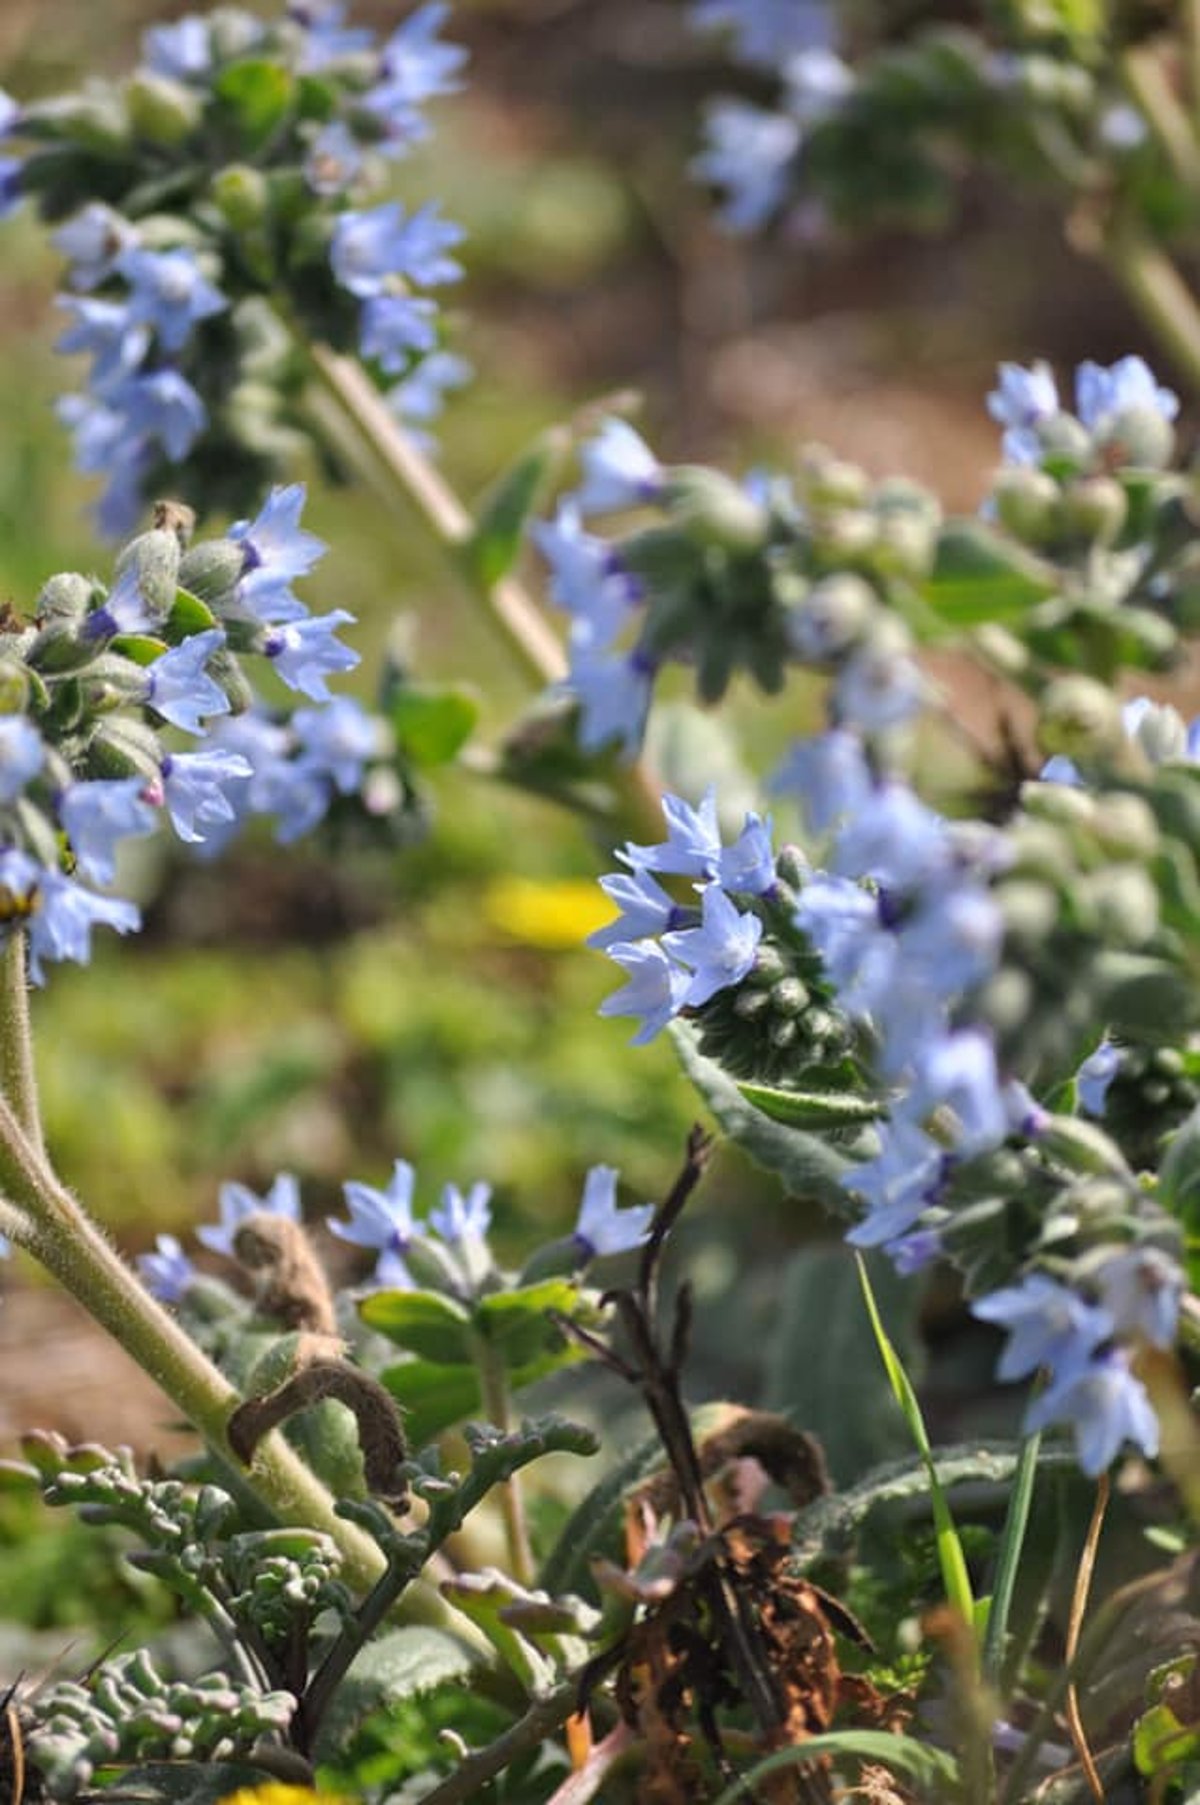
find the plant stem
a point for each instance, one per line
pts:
(18, 1076)
(70, 1246)
(470, 1777)
(1011, 1544)
(536, 645)
(1153, 93)
(1191, 30)
(497, 1403)
(1159, 293)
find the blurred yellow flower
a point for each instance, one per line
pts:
(550, 913)
(279, 1792)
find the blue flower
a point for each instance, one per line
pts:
(959, 1071)
(371, 247)
(1101, 394)
(106, 332)
(22, 755)
(720, 951)
(692, 847)
(458, 1219)
(877, 689)
(163, 406)
(587, 579)
(393, 327)
(830, 775)
(602, 1226)
(1048, 1325)
(1140, 1288)
(767, 33)
(382, 1220)
(613, 691)
(61, 924)
(237, 1202)
(334, 159)
(646, 909)
(337, 740)
(916, 1251)
(749, 156)
(655, 989)
(894, 839)
(92, 241)
(897, 1185)
(178, 686)
(277, 550)
(168, 292)
(1095, 1075)
(619, 470)
(1024, 400)
(124, 609)
(1105, 1405)
(327, 39)
(421, 395)
(748, 866)
(96, 815)
(414, 68)
(305, 652)
(841, 920)
(182, 50)
(194, 785)
(167, 1272)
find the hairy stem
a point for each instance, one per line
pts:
(18, 1077)
(497, 1404)
(69, 1245)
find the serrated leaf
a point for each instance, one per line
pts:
(822, 1366)
(399, 1664)
(980, 576)
(259, 94)
(500, 520)
(828, 1110)
(808, 1166)
(424, 1322)
(188, 615)
(431, 724)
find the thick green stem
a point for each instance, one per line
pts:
(69, 1245)
(497, 1403)
(18, 1077)
(1159, 293)
(1153, 91)
(1011, 1544)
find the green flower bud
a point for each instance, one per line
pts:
(1027, 503)
(1080, 718)
(829, 482)
(1082, 1146)
(1001, 649)
(1030, 911)
(1064, 439)
(845, 537)
(1139, 436)
(1006, 1000)
(67, 596)
(1124, 901)
(904, 545)
(59, 647)
(242, 195)
(162, 112)
(751, 1004)
(790, 997)
(212, 570)
(14, 687)
(715, 510)
(155, 556)
(1096, 507)
(124, 748)
(832, 618)
(1125, 826)
(1058, 802)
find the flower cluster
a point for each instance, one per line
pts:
(234, 162)
(99, 688)
(1122, 415)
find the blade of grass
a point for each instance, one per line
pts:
(1008, 1560)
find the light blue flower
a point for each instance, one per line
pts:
(194, 790)
(92, 241)
(1024, 400)
(61, 924)
(457, 1218)
(619, 470)
(382, 1220)
(897, 1185)
(97, 815)
(1048, 1325)
(720, 951)
(338, 739)
(277, 550)
(692, 847)
(602, 1226)
(327, 39)
(372, 246)
(182, 50)
(306, 652)
(1096, 1074)
(334, 159)
(236, 1202)
(613, 690)
(168, 292)
(393, 327)
(164, 406)
(748, 866)
(875, 690)
(106, 332)
(766, 33)
(646, 910)
(841, 920)
(655, 988)
(1106, 1407)
(179, 688)
(1141, 1288)
(894, 839)
(830, 776)
(422, 394)
(587, 579)
(22, 755)
(1101, 394)
(123, 610)
(748, 157)
(958, 1071)
(414, 68)
(167, 1272)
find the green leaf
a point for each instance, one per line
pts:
(484, 1598)
(828, 1110)
(517, 1321)
(139, 647)
(1161, 1742)
(424, 1322)
(188, 615)
(980, 576)
(184, 1782)
(432, 1397)
(822, 1367)
(399, 1664)
(259, 94)
(808, 1166)
(494, 545)
(931, 1768)
(433, 724)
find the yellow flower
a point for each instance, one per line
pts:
(278, 1792)
(550, 914)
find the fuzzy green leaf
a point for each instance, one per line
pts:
(501, 517)
(816, 1110)
(433, 724)
(424, 1322)
(399, 1664)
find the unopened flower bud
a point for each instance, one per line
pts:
(1125, 902)
(1140, 436)
(65, 597)
(1096, 508)
(1027, 503)
(1063, 437)
(242, 195)
(833, 616)
(124, 748)
(212, 570)
(715, 510)
(829, 482)
(155, 556)
(59, 647)
(1080, 719)
(163, 112)
(1001, 649)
